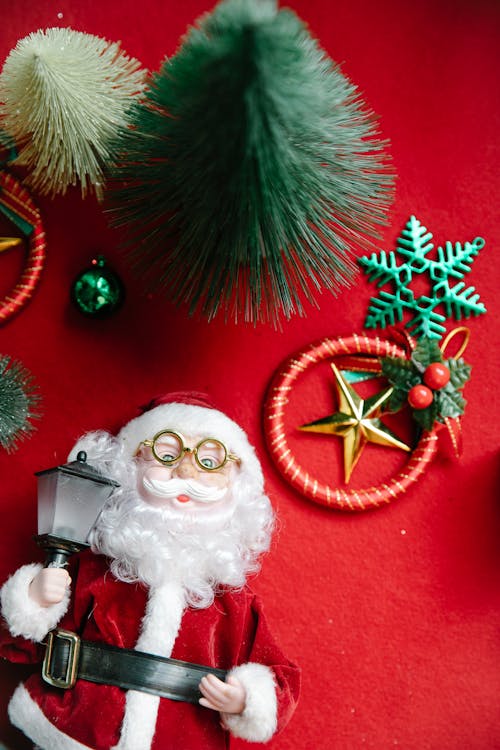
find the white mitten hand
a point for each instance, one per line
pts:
(49, 586)
(226, 697)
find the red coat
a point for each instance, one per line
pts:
(230, 632)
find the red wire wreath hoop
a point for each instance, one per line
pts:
(285, 461)
(18, 202)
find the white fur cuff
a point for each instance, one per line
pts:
(258, 721)
(24, 617)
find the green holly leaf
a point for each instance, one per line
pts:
(449, 401)
(459, 372)
(425, 353)
(397, 370)
(427, 417)
(402, 375)
(398, 399)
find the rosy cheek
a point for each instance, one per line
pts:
(212, 480)
(152, 471)
(157, 472)
(208, 479)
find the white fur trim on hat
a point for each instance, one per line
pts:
(258, 721)
(24, 617)
(191, 421)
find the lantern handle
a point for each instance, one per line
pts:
(58, 550)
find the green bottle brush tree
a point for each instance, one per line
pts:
(250, 170)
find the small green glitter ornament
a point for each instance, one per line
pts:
(97, 291)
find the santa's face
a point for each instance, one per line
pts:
(184, 474)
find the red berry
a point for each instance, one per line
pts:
(420, 397)
(436, 375)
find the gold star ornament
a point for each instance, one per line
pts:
(357, 423)
(8, 242)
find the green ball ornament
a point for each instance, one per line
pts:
(97, 291)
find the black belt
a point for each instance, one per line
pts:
(68, 658)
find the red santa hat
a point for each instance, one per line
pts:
(192, 415)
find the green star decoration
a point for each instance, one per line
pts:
(357, 423)
(452, 263)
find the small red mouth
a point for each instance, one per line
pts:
(183, 498)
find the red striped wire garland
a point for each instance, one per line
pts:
(18, 202)
(276, 438)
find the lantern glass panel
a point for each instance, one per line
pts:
(68, 505)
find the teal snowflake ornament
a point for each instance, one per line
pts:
(453, 262)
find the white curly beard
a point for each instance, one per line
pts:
(154, 545)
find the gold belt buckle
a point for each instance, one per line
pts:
(69, 679)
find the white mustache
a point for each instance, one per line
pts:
(175, 487)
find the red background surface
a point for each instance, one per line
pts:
(392, 614)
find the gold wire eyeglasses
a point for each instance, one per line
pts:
(169, 449)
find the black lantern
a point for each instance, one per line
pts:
(70, 498)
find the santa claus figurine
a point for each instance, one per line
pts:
(161, 591)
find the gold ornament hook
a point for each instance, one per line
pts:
(466, 336)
